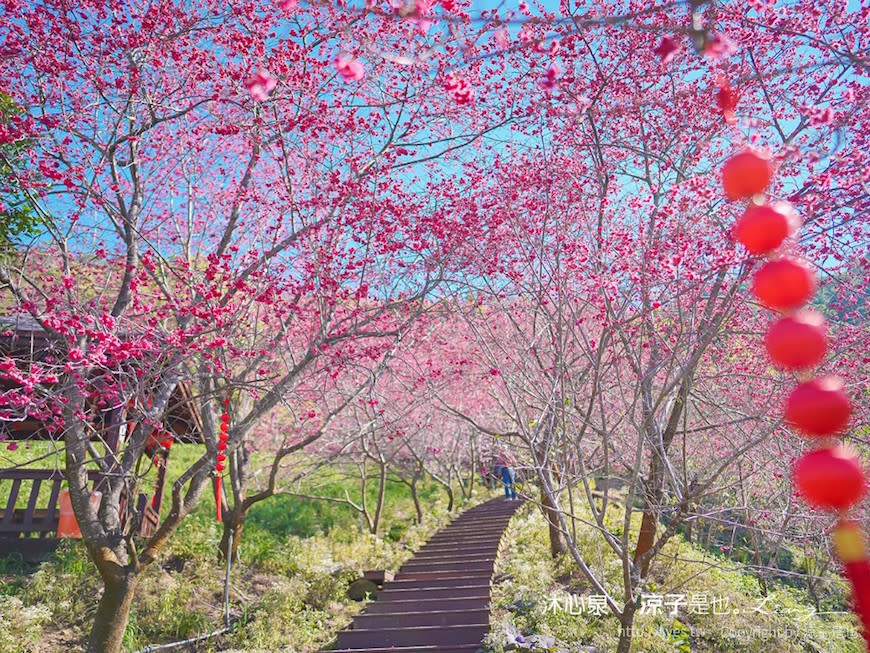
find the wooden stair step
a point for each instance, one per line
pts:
(456, 648)
(421, 618)
(446, 564)
(435, 564)
(420, 593)
(414, 636)
(448, 580)
(436, 605)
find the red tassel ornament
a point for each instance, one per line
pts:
(217, 495)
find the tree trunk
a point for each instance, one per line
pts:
(450, 497)
(625, 628)
(416, 497)
(113, 612)
(473, 470)
(382, 490)
(646, 537)
(364, 505)
(234, 522)
(557, 543)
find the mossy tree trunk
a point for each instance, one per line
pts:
(113, 610)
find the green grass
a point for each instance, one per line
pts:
(297, 557)
(784, 621)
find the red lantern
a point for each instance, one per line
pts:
(153, 440)
(784, 284)
(797, 342)
(819, 407)
(830, 479)
(761, 229)
(745, 174)
(221, 456)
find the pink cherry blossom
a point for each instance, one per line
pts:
(350, 69)
(719, 46)
(726, 101)
(260, 85)
(667, 49)
(551, 81)
(459, 88)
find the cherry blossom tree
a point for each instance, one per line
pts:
(221, 210)
(257, 201)
(614, 311)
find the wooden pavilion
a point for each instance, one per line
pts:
(29, 496)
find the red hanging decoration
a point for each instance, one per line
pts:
(797, 342)
(745, 174)
(761, 229)
(830, 478)
(221, 457)
(819, 407)
(784, 284)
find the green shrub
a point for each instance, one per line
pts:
(397, 531)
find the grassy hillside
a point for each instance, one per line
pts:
(532, 598)
(288, 593)
(298, 557)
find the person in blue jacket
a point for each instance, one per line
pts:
(508, 475)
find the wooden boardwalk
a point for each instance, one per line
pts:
(439, 600)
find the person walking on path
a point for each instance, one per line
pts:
(508, 475)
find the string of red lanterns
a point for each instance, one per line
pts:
(220, 459)
(829, 477)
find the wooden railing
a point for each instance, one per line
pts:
(34, 519)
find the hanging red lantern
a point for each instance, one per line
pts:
(784, 284)
(827, 478)
(819, 407)
(745, 174)
(219, 467)
(167, 440)
(761, 229)
(830, 479)
(797, 342)
(153, 440)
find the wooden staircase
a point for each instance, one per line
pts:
(439, 600)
